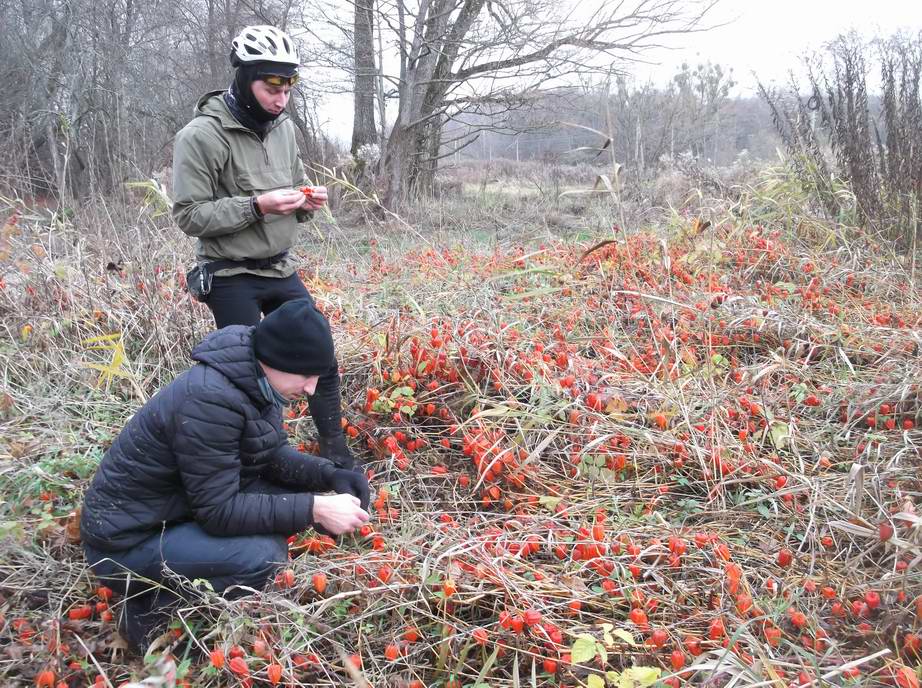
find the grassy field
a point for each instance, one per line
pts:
(681, 449)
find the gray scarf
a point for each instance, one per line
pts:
(270, 393)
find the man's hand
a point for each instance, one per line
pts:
(339, 514)
(281, 202)
(316, 198)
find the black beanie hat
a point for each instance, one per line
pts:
(295, 338)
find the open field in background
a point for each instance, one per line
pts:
(688, 456)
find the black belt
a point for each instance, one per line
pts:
(198, 279)
(250, 263)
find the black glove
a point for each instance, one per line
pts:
(342, 481)
(336, 450)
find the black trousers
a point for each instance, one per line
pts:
(153, 575)
(239, 300)
(243, 299)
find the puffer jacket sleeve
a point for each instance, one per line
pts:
(198, 158)
(291, 468)
(206, 445)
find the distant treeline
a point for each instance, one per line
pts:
(694, 116)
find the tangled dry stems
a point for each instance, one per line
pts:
(665, 333)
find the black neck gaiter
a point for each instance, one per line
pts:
(243, 104)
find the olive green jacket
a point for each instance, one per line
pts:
(218, 165)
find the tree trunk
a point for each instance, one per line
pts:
(397, 163)
(363, 126)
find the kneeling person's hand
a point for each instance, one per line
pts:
(339, 514)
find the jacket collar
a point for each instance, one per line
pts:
(230, 352)
(212, 105)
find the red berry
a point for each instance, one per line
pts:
(677, 659)
(532, 617)
(638, 617)
(784, 558)
(885, 531)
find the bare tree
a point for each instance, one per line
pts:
(837, 132)
(93, 91)
(365, 98)
(702, 93)
(462, 56)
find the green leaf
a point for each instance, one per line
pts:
(602, 652)
(183, 668)
(584, 648)
(595, 681)
(203, 583)
(549, 503)
(780, 434)
(486, 668)
(787, 286)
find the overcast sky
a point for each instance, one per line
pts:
(765, 36)
(769, 36)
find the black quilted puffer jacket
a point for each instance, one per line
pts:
(187, 453)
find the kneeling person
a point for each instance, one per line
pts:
(202, 481)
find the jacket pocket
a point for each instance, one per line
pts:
(266, 179)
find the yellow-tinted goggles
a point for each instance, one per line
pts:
(279, 81)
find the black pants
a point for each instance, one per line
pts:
(242, 299)
(239, 300)
(151, 574)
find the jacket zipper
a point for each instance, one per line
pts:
(263, 146)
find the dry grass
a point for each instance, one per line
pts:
(693, 354)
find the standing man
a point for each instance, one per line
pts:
(236, 179)
(202, 481)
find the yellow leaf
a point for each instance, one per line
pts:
(639, 677)
(699, 225)
(25, 332)
(606, 634)
(688, 357)
(616, 407)
(625, 636)
(595, 681)
(115, 367)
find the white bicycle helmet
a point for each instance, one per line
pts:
(263, 44)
